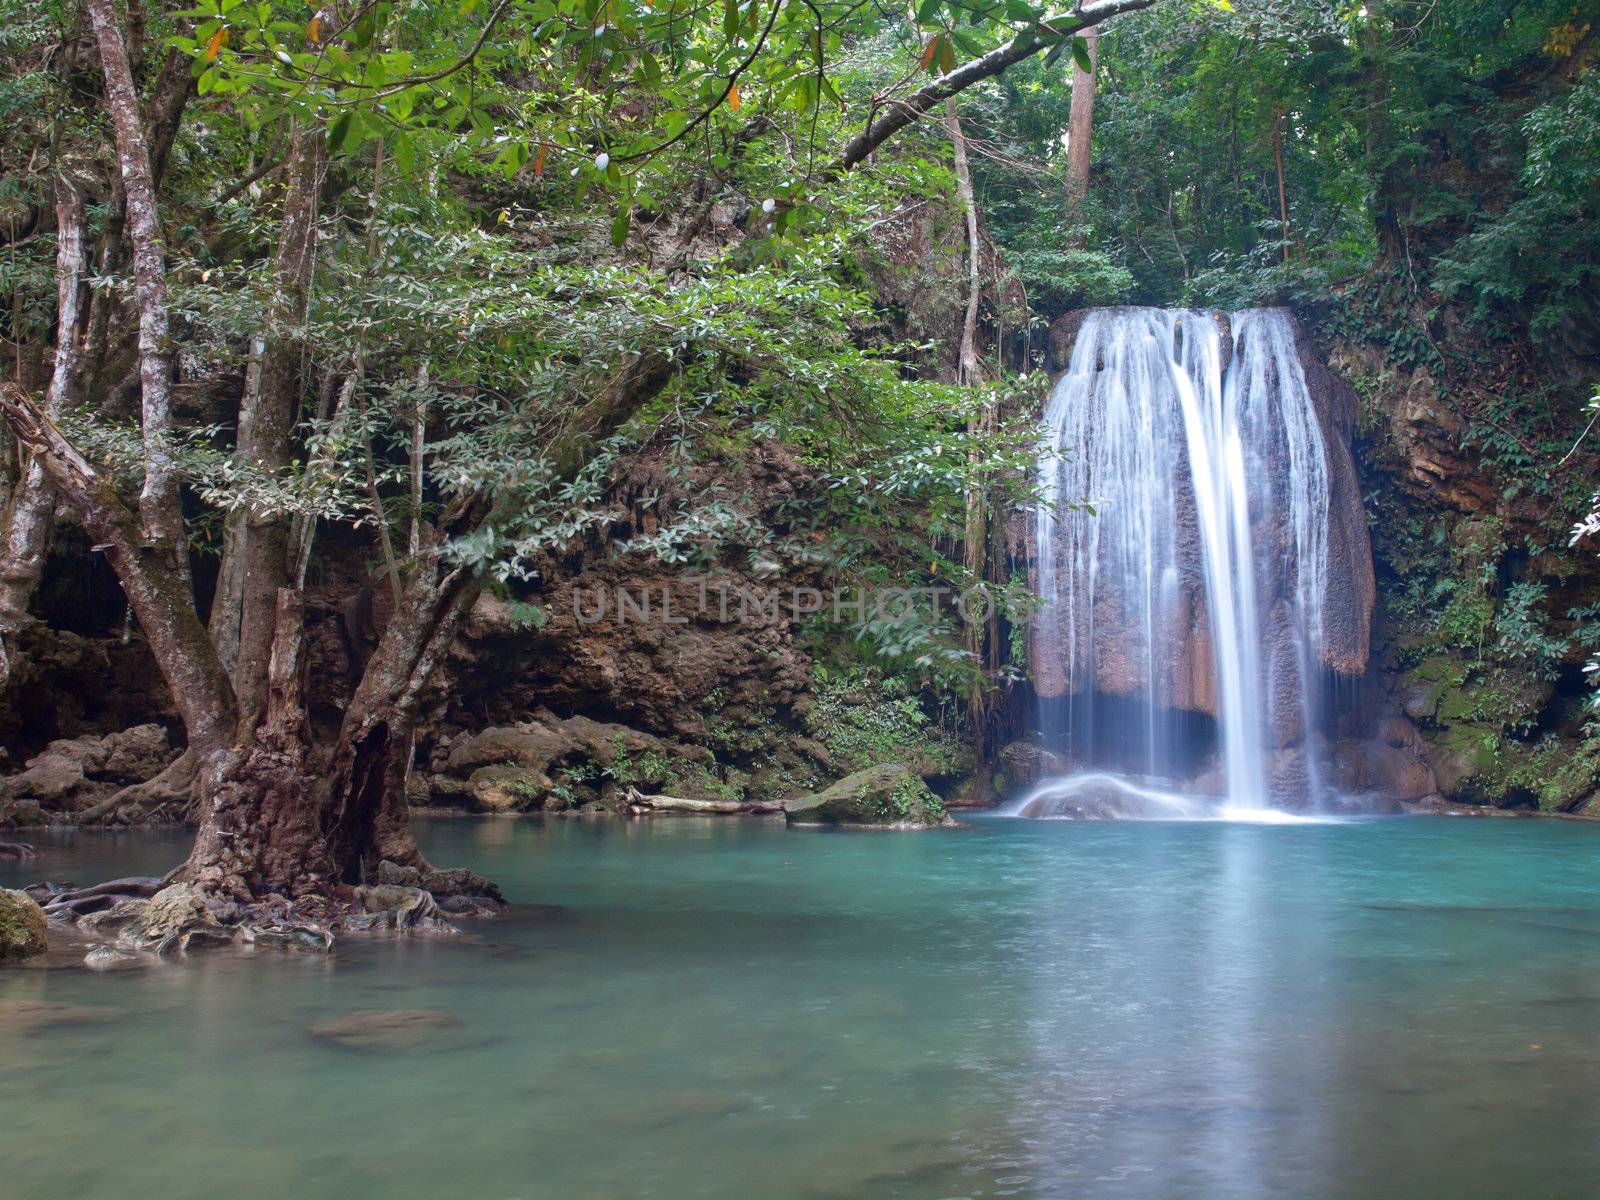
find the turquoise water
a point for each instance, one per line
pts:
(723, 1008)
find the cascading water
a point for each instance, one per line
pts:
(1195, 585)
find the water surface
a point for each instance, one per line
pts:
(726, 1009)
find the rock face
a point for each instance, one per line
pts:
(887, 797)
(23, 932)
(550, 764)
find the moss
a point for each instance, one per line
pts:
(863, 719)
(23, 932)
(886, 795)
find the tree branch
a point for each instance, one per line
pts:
(896, 114)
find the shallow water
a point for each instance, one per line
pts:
(723, 1008)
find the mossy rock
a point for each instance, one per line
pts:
(506, 787)
(885, 797)
(23, 932)
(1461, 755)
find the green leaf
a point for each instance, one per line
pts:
(619, 227)
(1080, 55)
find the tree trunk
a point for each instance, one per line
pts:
(30, 517)
(969, 371)
(1283, 194)
(159, 508)
(1080, 127)
(255, 559)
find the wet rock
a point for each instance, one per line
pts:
(23, 930)
(1097, 797)
(115, 919)
(170, 916)
(23, 813)
(458, 881)
(408, 908)
(394, 873)
(1020, 765)
(386, 1029)
(887, 796)
(1382, 769)
(296, 936)
(17, 851)
(1400, 733)
(103, 958)
(1458, 755)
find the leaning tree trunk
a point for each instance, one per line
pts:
(30, 516)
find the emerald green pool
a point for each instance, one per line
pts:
(725, 1008)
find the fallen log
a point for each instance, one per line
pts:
(638, 802)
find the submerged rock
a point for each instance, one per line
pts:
(23, 930)
(25, 1016)
(406, 907)
(386, 1028)
(1100, 797)
(887, 796)
(102, 958)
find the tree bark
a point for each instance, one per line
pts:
(30, 517)
(1283, 194)
(255, 559)
(969, 371)
(159, 508)
(1080, 126)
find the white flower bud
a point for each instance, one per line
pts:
(602, 161)
(768, 205)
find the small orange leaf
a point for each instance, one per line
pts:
(538, 163)
(733, 97)
(219, 39)
(930, 50)
(314, 31)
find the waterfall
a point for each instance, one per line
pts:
(1182, 550)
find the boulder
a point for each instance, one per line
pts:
(1379, 768)
(136, 755)
(888, 796)
(114, 919)
(528, 745)
(23, 931)
(507, 787)
(171, 915)
(1097, 797)
(406, 907)
(50, 776)
(1458, 754)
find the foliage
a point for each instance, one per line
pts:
(867, 719)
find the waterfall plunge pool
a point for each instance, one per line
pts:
(725, 1008)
